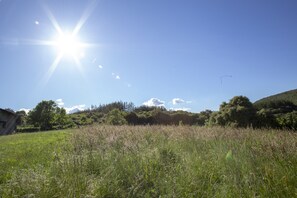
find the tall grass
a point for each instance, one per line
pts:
(159, 161)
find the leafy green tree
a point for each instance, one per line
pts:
(217, 118)
(115, 117)
(288, 121)
(123, 106)
(265, 118)
(46, 115)
(239, 112)
(202, 118)
(61, 119)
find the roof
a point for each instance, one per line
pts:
(8, 111)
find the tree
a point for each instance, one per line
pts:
(22, 119)
(265, 118)
(61, 120)
(202, 118)
(122, 106)
(288, 121)
(278, 106)
(115, 117)
(46, 115)
(132, 118)
(239, 112)
(182, 117)
(161, 117)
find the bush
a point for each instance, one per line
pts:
(265, 118)
(115, 117)
(239, 112)
(27, 129)
(288, 121)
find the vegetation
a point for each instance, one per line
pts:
(26, 151)
(270, 112)
(150, 161)
(290, 96)
(239, 112)
(277, 113)
(115, 117)
(47, 115)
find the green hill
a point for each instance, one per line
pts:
(290, 96)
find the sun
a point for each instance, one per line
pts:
(68, 44)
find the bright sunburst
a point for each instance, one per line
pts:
(68, 45)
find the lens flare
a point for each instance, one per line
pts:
(69, 45)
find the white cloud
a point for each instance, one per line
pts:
(75, 108)
(180, 109)
(177, 101)
(100, 66)
(60, 102)
(36, 22)
(26, 110)
(154, 102)
(117, 77)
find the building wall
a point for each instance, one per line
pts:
(8, 122)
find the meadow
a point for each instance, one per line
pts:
(149, 161)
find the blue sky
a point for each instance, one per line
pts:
(181, 54)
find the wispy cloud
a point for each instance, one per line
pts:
(176, 101)
(100, 66)
(154, 102)
(60, 102)
(36, 22)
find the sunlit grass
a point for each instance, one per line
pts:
(24, 151)
(156, 161)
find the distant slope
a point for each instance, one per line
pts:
(287, 96)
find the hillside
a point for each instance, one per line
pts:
(285, 96)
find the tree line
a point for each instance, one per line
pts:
(238, 112)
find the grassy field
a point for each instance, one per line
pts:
(28, 150)
(154, 161)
